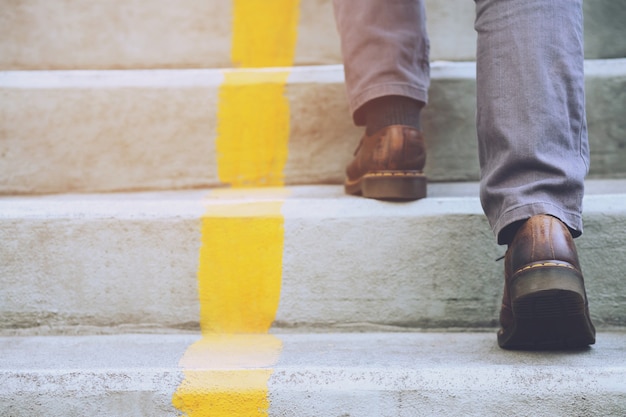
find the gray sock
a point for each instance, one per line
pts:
(391, 110)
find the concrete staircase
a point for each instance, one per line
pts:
(135, 282)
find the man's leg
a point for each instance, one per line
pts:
(531, 110)
(385, 52)
(534, 156)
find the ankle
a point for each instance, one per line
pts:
(391, 110)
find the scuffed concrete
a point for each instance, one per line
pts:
(131, 260)
(123, 34)
(96, 131)
(370, 374)
(604, 29)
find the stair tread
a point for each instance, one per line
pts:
(359, 374)
(441, 196)
(409, 352)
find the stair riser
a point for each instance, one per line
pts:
(76, 394)
(66, 395)
(110, 131)
(345, 263)
(53, 34)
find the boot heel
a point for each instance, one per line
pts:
(394, 185)
(547, 289)
(549, 309)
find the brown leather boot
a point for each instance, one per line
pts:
(544, 304)
(388, 165)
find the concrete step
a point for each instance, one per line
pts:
(93, 131)
(311, 256)
(55, 34)
(369, 374)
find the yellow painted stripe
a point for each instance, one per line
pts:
(224, 393)
(239, 279)
(240, 268)
(264, 32)
(227, 375)
(253, 129)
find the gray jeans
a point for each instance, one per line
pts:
(532, 134)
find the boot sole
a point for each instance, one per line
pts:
(389, 185)
(549, 309)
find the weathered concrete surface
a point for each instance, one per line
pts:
(106, 139)
(443, 374)
(131, 260)
(128, 375)
(371, 374)
(139, 34)
(57, 34)
(604, 28)
(100, 261)
(606, 106)
(92, 131)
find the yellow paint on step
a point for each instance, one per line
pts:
(227, 393)
(253, 114)
(264, 32)
(227, 375)
(232, 351)
(239, 280)
(240, 270)
(253, 128)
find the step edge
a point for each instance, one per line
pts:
(211, 77)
